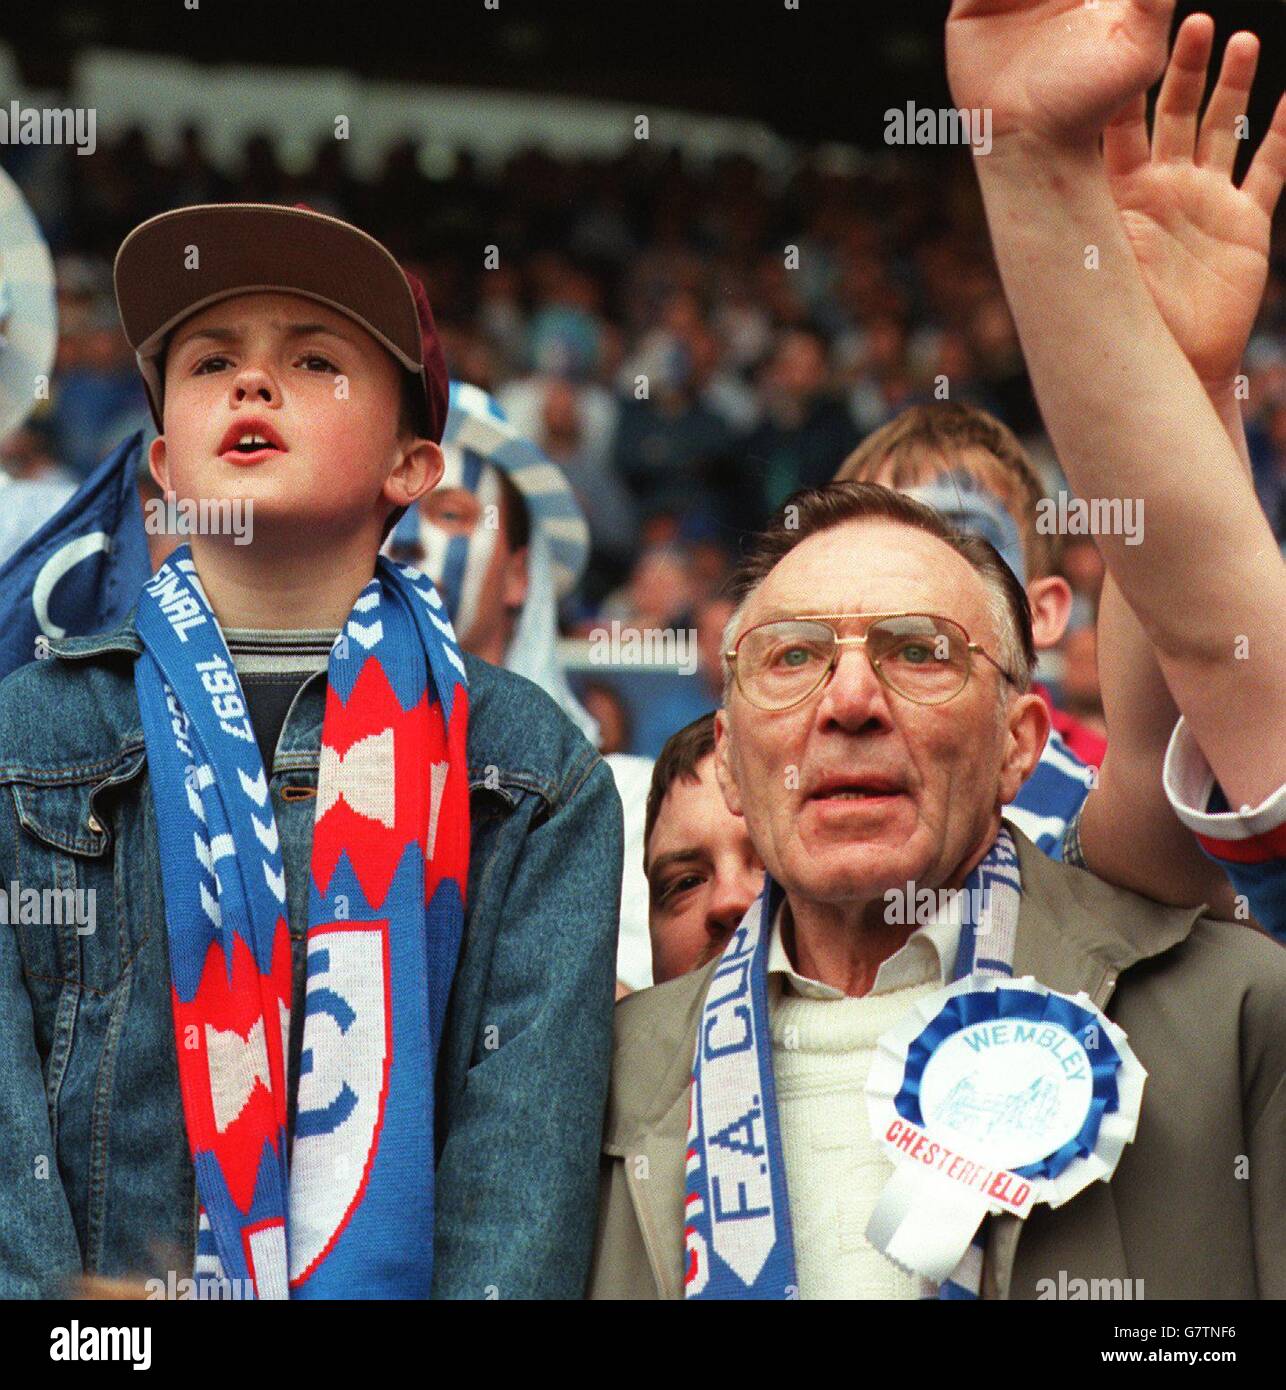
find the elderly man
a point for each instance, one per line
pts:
(879, 720)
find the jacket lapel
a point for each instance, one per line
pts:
(648, 1109)
(1075, 933)
(654, 1173)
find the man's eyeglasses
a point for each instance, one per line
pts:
(921, 656)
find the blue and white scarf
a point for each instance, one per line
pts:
(737, 1229)
(351, 1214)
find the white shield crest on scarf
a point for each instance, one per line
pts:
(343, 1084)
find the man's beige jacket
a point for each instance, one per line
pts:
(1197, 1207)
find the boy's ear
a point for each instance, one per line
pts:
(1051, 607)
(514, 582)
(158, 464)
(417, 471)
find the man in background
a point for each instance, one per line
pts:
(702, 871)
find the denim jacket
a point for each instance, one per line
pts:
(95, 1170)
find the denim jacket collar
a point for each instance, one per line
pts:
(499, 769)
(121, 638)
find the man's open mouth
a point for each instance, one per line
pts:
(862, 789)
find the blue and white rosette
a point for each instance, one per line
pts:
(991, 1096)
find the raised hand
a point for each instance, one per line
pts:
(1200, 240)
(1054, 71)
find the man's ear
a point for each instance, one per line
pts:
(158, 464)
(723, 764)
(417, 471)
(1026, 729)
(1051, 607)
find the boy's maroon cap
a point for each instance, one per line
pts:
(174, 265)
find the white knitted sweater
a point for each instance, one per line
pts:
(835, 1170)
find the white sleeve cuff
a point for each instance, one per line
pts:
(1189, 782)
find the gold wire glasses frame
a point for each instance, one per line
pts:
(932, 683)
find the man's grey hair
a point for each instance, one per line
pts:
(821, 509)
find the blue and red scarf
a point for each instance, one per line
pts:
(351, 1213)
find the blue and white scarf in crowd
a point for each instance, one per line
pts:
(737, 1230)
(351, 1213)
(479, 448)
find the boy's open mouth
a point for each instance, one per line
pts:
(250, 441)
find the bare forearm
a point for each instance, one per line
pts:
(1130, 420)
(1127, 414)
(1228, 408)
(1129, 835)
(1136, 844)
(1137, 705)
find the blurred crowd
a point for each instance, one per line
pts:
(689, 344)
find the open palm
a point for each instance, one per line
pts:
(1054, 70)
(1200, 240)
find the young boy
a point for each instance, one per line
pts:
(339, 1023)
